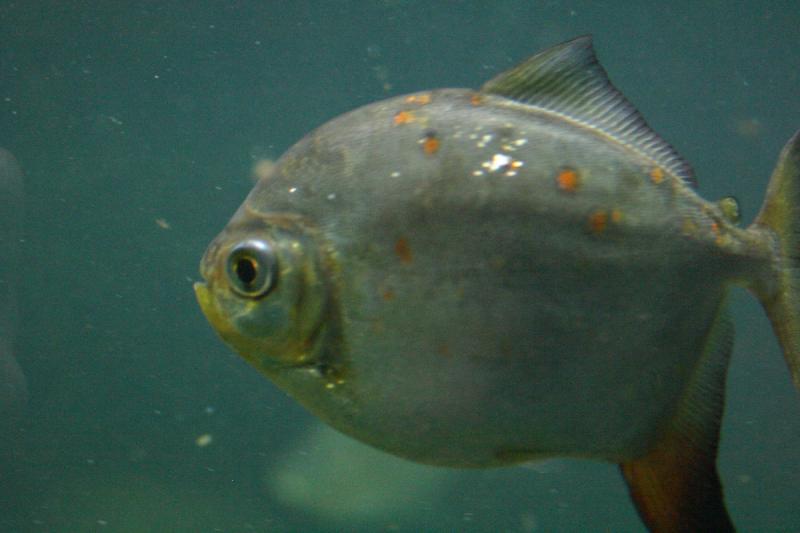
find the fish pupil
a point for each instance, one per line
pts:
(246, 270)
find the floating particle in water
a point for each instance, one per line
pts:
(748, 127)
(262, 169)
(204, 440)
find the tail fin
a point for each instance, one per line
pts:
(781, 215)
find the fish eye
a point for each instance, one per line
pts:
(252, 268)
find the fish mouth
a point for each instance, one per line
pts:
(204, 298)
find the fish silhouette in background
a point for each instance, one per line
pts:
(13, 385)
(482, 278)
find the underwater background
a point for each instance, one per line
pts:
(137, 126)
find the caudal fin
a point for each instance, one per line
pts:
(780, 214)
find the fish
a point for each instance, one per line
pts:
(481, 278)
(349, 486)
(13, 384)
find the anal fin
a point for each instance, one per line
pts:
(675, 487)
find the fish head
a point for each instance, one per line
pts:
(265, 290)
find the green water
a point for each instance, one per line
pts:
(137, 127)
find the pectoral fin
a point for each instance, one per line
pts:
(675, 487)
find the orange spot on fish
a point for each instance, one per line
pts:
(388, 295)
(657, 175)
(598, 222)
(420, 99)
(568, 180)
(719, 238)
(403, 251)
(404, 117)
(430, 144)
(616, 216)
(476, 99)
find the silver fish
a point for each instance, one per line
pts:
(481, 278)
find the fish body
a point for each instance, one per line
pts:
(480, 278)
(470, 297)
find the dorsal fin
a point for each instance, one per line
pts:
(568, 80)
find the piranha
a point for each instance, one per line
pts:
(482, 278)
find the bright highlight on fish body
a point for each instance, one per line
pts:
(482, 278)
